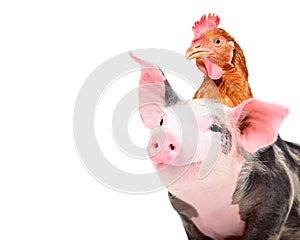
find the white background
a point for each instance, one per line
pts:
(47, 50)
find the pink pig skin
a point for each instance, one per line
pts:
(223, 135)
(163, 147)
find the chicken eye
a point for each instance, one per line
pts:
(217, 41)
(215, 128)
(161, 122)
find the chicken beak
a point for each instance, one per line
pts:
(195, 51)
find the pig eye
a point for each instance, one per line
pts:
(161, 122)
(215, 128)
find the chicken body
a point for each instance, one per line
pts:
(223, 63)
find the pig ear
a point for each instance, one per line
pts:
(155, 93)
(257, 122)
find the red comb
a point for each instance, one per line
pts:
(205, 23)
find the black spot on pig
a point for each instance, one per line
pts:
(171, 97)
(226, 140)
(186, 212)
(183, 207)
(268, 194)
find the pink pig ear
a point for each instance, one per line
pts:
(155, 93)
(258, 123)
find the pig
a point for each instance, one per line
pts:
(228, 173)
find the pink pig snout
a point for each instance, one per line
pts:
(163, 147)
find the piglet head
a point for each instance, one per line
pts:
(202, 132)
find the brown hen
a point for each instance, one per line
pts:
(221, 60)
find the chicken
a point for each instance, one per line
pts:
(221, 60)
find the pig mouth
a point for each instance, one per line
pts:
(187, 164)
(160, 165)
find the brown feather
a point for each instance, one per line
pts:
(233, 87)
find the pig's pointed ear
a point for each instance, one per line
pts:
(155, 93)
(257, 123)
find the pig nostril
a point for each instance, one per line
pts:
(155, 145)
(172, 147)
